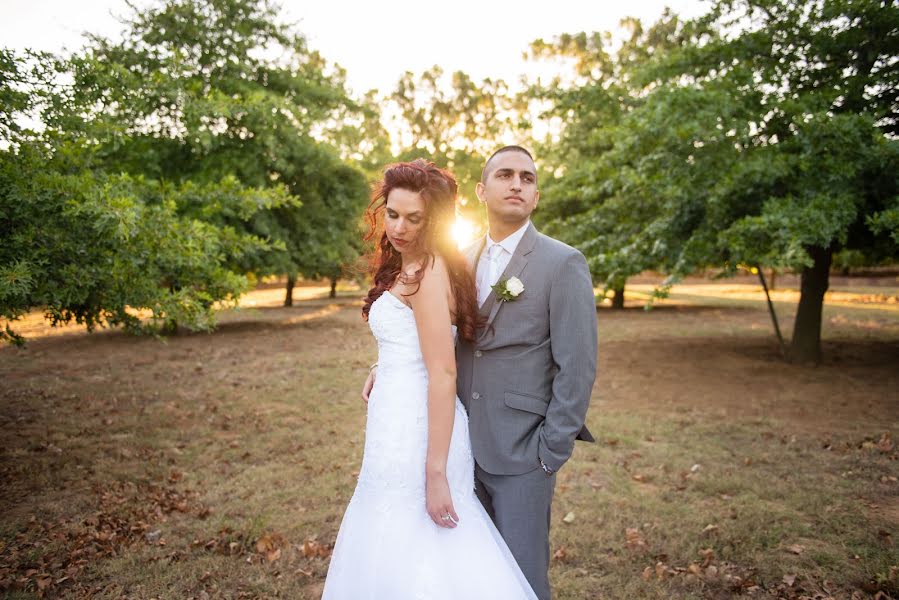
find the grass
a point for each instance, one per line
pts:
(219, 465)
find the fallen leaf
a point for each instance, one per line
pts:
(269, 542)
(695, 468)
(312, 548)
(710, 529)
(661, 570)
(708, 555)
(561, 554)
(569, 518)
(634, 539)
(795, 549)
(789, 579)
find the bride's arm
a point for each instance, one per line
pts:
(430, 305)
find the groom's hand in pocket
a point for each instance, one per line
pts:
(369, 383)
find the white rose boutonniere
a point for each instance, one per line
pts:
(509, 289)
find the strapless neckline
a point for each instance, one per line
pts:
(403, 304)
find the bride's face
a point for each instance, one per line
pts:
(404, 219)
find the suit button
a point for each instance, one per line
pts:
(478, 354)
(475, 396)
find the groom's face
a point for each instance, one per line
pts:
(509, 189)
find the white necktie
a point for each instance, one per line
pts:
(493, 255)
(490, 273)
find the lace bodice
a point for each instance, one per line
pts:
(396, 433)
(392, 323)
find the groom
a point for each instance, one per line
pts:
(526, 381)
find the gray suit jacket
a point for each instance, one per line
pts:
(526, 381)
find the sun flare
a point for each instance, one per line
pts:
(463, 232)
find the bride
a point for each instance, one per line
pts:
(414, 528)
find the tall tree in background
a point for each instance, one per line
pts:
(818, 165)
(220, 87)
(583, 205)
(209, 120)
(766, 138)
(96, 247)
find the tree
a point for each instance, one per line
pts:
(581, 206)
(817, 169)
(99, 249)
(208, 122)
(200, 90)
(766, 138)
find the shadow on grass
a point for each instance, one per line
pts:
(840, 353)
(685, 309)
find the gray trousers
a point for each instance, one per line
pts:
(520, 508)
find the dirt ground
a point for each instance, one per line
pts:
(91, 422)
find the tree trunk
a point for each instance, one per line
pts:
(333, 293)
(618, 298)
(288, 298)
(806, 344)
(773, 279)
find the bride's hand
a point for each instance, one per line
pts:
(369, 382)
(440, 502)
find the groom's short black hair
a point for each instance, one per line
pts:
(511, 148)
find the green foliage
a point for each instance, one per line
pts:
(762, 133)
(732, 138)
(206, 100)
(455, 122)
(99, 249)
(598, 202)
(169, 171)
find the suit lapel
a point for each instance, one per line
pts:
(516, 265)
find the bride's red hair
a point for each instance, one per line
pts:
(437, 188)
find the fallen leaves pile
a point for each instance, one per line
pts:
(47, 556)
(735, 579)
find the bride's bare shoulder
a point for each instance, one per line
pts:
(434, 283)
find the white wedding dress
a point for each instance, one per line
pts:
(387, 547)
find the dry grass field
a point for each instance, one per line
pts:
(218, 465)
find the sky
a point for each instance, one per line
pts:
(375, 41)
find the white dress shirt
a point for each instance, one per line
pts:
(494, 259)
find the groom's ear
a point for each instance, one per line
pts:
(479, 191)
